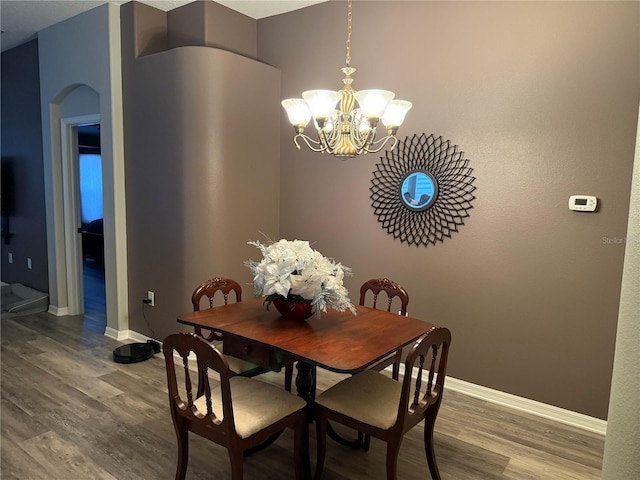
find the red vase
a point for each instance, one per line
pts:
(294, 311)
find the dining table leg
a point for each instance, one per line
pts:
(306, 381)
(306, 386)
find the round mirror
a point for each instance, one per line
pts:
(419, 190)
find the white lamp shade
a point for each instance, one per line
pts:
(373, 102)
(297, 111)
(395, 113)
(322, 103)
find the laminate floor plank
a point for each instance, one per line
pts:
(27, 394)
(62, 459)
(64, 363)
(18, 424)
(478, 462)
(538, 433)
(526, 429)
(70, 412)
(523, 459)
(18, 340)
(19, 465)
(121, 449)
(69, 331)
(152, 395)
(145, 372)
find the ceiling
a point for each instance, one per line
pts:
(20, 20)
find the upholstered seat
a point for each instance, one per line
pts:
(366, 397)
(256, 405)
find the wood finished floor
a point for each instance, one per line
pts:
(69, 412)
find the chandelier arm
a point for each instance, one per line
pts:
(329, 141)
(372, 148)
(359, 140)
(310, 143)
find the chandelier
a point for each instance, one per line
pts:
(346, 121)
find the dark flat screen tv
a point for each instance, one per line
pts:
(7, 187)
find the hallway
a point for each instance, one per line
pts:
(95, 308)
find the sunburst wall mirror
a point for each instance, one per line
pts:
(422, 190)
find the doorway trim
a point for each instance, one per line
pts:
(71, 202)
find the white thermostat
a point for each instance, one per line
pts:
(583, 203)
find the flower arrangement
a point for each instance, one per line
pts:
(292, 270)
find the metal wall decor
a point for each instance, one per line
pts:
(422, 190)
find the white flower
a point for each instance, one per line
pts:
(305, 286)
(292, 269)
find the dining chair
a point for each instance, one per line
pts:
(381, 407)
(239, 413)
(391, 289)
(210, 289)
(227, 287)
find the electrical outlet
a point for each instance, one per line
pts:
(151, 296)
(29, 263)
(10, 257)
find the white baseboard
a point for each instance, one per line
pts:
(121, 335)
(551, 412)
(522, 404)
(58, 311)
(116, 334)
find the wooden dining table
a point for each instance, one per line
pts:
(337, 341)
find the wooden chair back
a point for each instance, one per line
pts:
(390, 288)
(213, 286)
(209, 289)
(211, 424)
(423, 380)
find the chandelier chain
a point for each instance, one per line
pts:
(349, 18)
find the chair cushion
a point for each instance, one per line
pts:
(239, 366)
(368, 396)
(256, 404)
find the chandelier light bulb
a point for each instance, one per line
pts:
(328, 127)
(363, 124)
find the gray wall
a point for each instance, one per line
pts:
(203, 175)
(543, 98)
(210, 24)
(22, 152)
